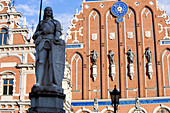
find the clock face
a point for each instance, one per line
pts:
(119, 9)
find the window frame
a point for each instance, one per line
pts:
(8, 87)
(3, 36)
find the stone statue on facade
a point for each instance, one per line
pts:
(96, 105)
(49, 61)
(111, 57)
(47, 94)
(131, 65)
(112, 65)
(130, 56)
(148, 54)
(94, 56)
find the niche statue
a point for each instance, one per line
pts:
(130, 56)
(50, 51)
(148, 54)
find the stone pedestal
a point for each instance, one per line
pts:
(131, 71)
(112, 71)
(149, 70)
(46, 99)
(94, 72)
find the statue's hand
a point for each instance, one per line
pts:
(38, 33)
(56, 41)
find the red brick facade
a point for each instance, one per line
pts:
(95, 28)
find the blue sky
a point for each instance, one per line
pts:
(63, 10)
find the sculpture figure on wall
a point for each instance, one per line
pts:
(111, 57)
(148, 54)
(50, 51)
(130, 56)
(131, 65)
(94, 56)
(96, 105)
(112, 65)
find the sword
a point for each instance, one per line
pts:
(40, 14)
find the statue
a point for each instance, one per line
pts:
(130, 56)
(95, 105)
(50, 51)
(111, 57)
(148, 54)
(94, 56)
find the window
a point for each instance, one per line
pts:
(3, 36)
(162, 111)
(7, 87)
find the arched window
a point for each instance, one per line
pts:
(3, 36)
(162, 110)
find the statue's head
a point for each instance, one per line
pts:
(130, 49)
(148, 48)
(48, 13)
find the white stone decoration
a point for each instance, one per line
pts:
(147, 34)
(1, 7)
(149, 70)
(166, 31)
(151, 3)
(67, 86)
(95, 109)
(94, 36)
(129, 35)
(137, 3)
(102, 5)
(8, 64)
(94, 72)
(165, 16)
(112, 71)
(74, 34)
(87, 6)
(112, 36)
(131, 71)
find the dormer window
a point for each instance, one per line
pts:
(3, 36)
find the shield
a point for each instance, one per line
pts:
(58, 54)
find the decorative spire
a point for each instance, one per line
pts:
(162, 5)
(13, 2)
(77, 11)
(31, 40)
(25, 23)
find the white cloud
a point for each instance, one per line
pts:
(27, 10)
(65, 20)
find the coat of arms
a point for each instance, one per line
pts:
(111, 36)
(147, 34)
(130, 35)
